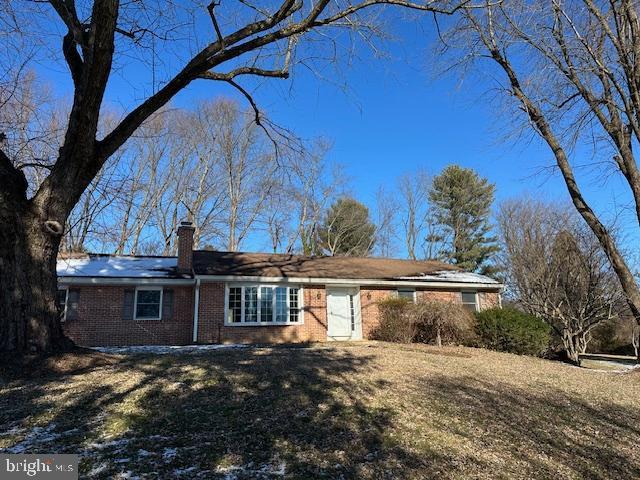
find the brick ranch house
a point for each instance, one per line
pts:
(229, 297)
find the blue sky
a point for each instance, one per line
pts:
(396, 117)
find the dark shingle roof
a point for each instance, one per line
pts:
(296, 266)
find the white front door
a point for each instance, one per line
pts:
(343, 309)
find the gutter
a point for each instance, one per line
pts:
(196, 309)
(355, 281)
(123, 281)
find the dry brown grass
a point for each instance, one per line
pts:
(367, 410)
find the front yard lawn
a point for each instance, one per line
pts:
(366, 410)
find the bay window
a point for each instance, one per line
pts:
(263, 305)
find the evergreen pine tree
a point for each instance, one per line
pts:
(347, 229)
(461, 206)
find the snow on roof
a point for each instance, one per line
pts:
(117, 266)
(453, 276)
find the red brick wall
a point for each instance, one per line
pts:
(452, 296)
(100, 321)
(488, 300)
(211, 327)
(369, 313)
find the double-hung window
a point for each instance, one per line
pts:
(470, 300)
(263, 305)
(148, 303)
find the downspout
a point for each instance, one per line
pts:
(196, 309)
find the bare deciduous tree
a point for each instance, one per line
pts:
(555, 269)
(147, 179)
(414, 191)
(386, 218)
(313, 189)
(248, 170)
(214, 166)
(572, 68)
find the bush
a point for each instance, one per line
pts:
(440, 322)
(510, 330)
(395, 324)
(404, 322)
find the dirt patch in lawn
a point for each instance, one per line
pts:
(366, 410)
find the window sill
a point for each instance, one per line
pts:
(147, 319)
(262, 324)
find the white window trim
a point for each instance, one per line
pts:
(135, 303)
(260, 323)
(63, 318)
(415, 293)
(477, 299)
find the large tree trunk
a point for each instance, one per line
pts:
(29, 319)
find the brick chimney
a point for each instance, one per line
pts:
(185, 247)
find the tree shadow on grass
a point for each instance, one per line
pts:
(307, 413)
(548, 435)
(246, 413)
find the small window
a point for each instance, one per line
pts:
(235, 304)
(294, 305)
(62, 301)
(251, 304)
(408, 293)
(470, 301)
(281, 304)
(148, 305)
(266, 304)
(352, 312)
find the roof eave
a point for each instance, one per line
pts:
(349, 281)
(85, 280)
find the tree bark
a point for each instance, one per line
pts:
(28, 251)
(574, 344)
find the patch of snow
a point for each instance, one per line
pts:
(128, 475)
(98, 469)
(183, 471)
(159, 437)
(37, 437)
(169, 454)
(144, 453)
(112, 444)
(116, 266)
(452, 276)
(167, 349)
(253, 471)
